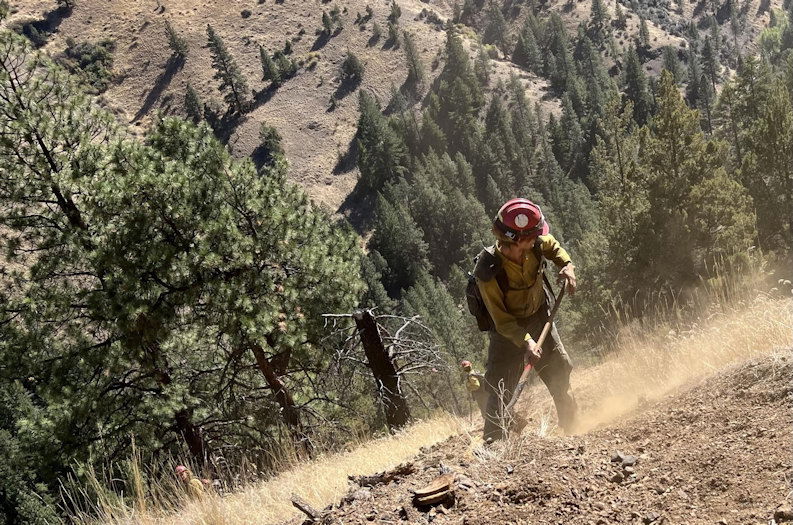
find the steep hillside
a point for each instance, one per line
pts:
(716, 451)
(319, 140)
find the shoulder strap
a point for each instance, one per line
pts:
(488, 264)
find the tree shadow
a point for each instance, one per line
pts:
(345, 88)
(390, 43)
(224, 125)
(320, 42)
(38, 31)
(358, 208)
(764, 6)
(262, 97)
(347, 162)
(173, 65)
(373, 40)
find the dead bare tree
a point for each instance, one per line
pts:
(393, 348)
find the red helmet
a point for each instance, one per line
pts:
(520, 218)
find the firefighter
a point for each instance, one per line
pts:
(509, 276)
(193, 485)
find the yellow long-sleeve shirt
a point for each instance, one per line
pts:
(525, 294)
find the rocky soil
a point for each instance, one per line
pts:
(717, 452)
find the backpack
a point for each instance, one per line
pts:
(487, 266)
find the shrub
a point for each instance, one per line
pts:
(351, 69)
(93, 62)
(245, 13)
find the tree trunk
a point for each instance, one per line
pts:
(386, 378)
(192, 435)
(283, 397)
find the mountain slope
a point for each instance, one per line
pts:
(715, 450)
(317, 139)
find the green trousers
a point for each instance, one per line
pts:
(505, 364)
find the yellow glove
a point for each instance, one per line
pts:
(472, 383)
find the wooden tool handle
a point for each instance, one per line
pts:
(545, 330)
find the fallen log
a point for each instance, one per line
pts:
(384, 477)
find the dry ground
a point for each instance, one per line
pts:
(717, 451)
(315, 138)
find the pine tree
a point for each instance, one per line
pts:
(192, 105)
(270, 150)
(286, 67)
(382, 154)
(172, 216)
(636, 90)
(327, 24)
(598, 15)
(351, 69)
(227, 71)
(270, 70)
(710, 62)
(671, 63)
(619, 15)
(395, 14)
(527, 53)
(177, 44)
(400, 241)
(482, 66)
(496, 30)
(415, 68)
(393, 34)
(706, 99)
(769, 167)
(644, 34)
(694, 86)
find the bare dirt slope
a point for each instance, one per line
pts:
(315, 137)
(716, 451)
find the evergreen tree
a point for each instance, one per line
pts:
(382, 153)
(415, 68)
(400, 241)
(226, 70)
(496, 30)
(270, 70)
(527, 53)
(351, 69)
(286, 67)
(644, 34)
(619, 15)
(706, 99)
(671, 63)
(710, 62)
(374, 294)
(636, 90)
(327, 24)
(598, 15)
(678, 160)
(768, 166)
(177, 44)
(192, 105)
(572, 146)
(694, 87)
(270, 149)
(482, 66)
(182, 255)
(393, 34)
(395, 14)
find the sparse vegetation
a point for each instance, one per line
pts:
(177, 44)
(193, 106)
(352, 69)
(91, 61)
(232, 82)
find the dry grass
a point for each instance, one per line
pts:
(321, 482)
(645, 362)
